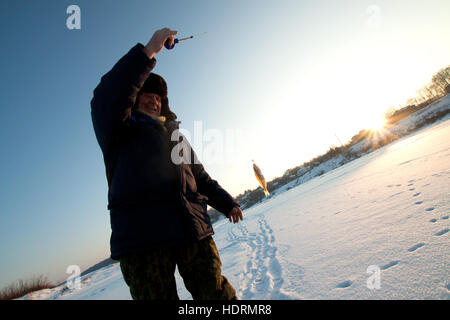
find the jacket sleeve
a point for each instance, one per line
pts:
(218, 198)
(117, 91)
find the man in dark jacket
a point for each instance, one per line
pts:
(158, 194)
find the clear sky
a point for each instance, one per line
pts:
(273, 81)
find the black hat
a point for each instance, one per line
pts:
(156, 84)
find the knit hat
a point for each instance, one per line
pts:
(156, 84)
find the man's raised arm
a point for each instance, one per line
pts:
(118, 89)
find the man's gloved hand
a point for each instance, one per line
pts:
(156, 43)
(235, 215)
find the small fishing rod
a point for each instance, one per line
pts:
(166, 44)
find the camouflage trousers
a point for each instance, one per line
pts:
(151, 275)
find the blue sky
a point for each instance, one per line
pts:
(289, 74)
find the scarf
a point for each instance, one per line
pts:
(160, 119)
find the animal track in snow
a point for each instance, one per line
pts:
(433, 220)
(418, 202)
(429, 209)
(417, 194)
(445, 218)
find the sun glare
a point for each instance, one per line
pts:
(376, 124)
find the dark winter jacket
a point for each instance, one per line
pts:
(152, 201)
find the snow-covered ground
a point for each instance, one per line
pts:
(386, 211)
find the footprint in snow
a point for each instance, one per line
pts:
(396, 194)
(262, 276)
(433, 220)
(429, 209)
(418, 202)
(417, 246)
(440, 233)
(390, 264)
(436, 175)
(445, 218)
(417, 194)
(344, 284)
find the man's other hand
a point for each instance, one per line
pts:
(235, 215)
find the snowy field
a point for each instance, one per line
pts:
(389, 210)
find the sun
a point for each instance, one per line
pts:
(376, 124)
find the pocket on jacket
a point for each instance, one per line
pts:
(200, 209)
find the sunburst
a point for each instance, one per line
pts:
(376, 124)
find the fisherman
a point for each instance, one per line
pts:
(157, 204)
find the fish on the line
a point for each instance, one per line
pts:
(260, 178)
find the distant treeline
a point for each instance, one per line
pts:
(436, 89)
